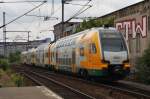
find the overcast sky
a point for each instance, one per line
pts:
(38, 26)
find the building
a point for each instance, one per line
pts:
(12, 47)
(134, 22)
(69, 28)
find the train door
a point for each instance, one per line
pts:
(93, 57)
(43, 57)
(73, 60)
(49, 55)
(56, 57)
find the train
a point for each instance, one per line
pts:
(97, 52)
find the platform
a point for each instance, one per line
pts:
(37, 92)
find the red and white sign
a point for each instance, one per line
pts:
(132, 27)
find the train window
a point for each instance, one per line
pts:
(149, 23)
(57, 56)
(47, 54)
(112, 42)
(51, 55)
(93, 48)
(69, 61)
(81, 51)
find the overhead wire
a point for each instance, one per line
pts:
(76, 4)
(18, 1)
(80, 11)
(52, 8)
(23, 14)
(55, 11)
(20, 24)
(83, 9)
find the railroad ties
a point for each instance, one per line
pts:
(70, 87)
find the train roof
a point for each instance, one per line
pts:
(109, 29)
(100, 29)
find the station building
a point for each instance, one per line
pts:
(133, 21)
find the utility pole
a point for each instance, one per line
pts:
(28, 39)
(63, 21)
(4, 35)
(63, 1)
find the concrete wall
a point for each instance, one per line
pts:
(134, 23)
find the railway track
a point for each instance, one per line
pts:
(114, 86)
(60, 88)
(92, 89)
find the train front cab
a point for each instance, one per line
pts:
(115, 53)
(105, 54)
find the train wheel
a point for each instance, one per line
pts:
(84, 74)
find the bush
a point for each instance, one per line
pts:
(4, 64)
(10, 79)
(1, 73)
(17, 79)
(143, 67)
(14, 57)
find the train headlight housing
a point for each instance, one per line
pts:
(104, 64)
(126, 64)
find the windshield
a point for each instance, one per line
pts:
(112, 42)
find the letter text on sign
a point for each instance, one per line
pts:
(132, 27)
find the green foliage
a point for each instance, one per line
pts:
(143, 67)
(1, 73)
(10, 79)
(95, 23)
(7, 77)
(4, 64)
(14, 57)
(17, 79)
(1, 56)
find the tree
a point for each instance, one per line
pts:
(95, 23)
(4, 64)
(143, 67)
(14, 57)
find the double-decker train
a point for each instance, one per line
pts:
(96, 52)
